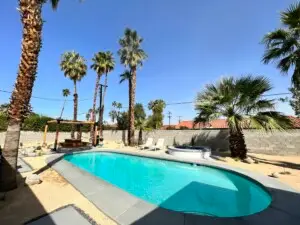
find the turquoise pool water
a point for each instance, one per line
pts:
(177, 186)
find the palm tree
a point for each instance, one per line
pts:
(241, 101)
(131, 55)
(108, 66)
(99, 69)
(283, 45)
(157, 107)
(74, 67)
(65, 93)
(31, 18)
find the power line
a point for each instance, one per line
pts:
(50, 99)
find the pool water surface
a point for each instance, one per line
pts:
(177, 186)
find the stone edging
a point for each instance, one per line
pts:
(126, 209)
(80, 211)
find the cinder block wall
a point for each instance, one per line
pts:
(276, 143)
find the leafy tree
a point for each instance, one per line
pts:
(157, 107)
(131, 55)
(74, 67)
(241, 101)
(295, 101)
(283, 45)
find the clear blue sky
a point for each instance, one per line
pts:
(189, 43)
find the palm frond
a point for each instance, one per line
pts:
(270, 120)
(125, 76)
(54, 4)
(291, 16)
(73, 65)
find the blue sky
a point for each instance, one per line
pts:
(189, 43)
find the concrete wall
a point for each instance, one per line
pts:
(279, 143)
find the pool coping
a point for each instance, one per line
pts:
(126, 209)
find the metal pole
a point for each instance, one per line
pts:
(99, 119)
(169, 115)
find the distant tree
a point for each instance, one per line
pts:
(74, 67)
(4, 108)
(295, 100)
(241, 101)
(157, 117)
(115, 112)
(283, 45)
(65, 93)
(88, 115)
(131, 55)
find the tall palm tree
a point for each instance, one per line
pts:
(31, 18)
(65, 93)
(241, 101)
(283, 45)
(97, 66)
(74, 67)
(108, 66)
(131, 55)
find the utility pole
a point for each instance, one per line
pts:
(169, 115)
(179, 119)
(100, 120)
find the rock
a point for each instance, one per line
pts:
(33, 179)
(248, 160)
(38, 148)
(31, 154)
(285, 173)
(29, 150)
(275, 175)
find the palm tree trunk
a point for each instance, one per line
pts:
(102, 108)
(140, 142)
(237, 143)
(31, 12)
(92, 133)
(75, 110)
(62, 110)
(132, 87)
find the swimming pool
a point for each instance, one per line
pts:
(177, 186)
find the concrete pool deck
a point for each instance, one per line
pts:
(125, 208)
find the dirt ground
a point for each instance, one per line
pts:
(27, 202)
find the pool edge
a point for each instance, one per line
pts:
(272, 186)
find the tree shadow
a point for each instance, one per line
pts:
(285, 164)
(22, 206)
(217, 140)
(284, 210)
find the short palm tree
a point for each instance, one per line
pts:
(65, 93)
(74, 67)
(283, 45)
(131, 55)
(241, 101)
(31, 18)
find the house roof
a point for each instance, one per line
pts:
(295, 121)
(222, 123)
